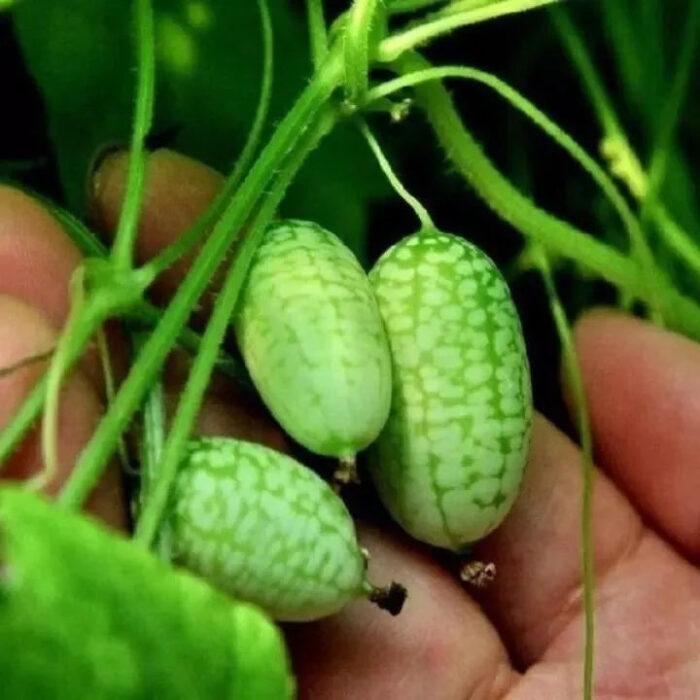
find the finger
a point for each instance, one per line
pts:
(643, 389)
(647, 597)
(25, 332)
(36, 258)
(440, 646)
(178, 189)
(37, 261)
(537, 549)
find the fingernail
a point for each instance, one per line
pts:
(98, 170)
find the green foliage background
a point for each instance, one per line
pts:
(209, 71)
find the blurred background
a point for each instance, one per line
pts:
(68, 86)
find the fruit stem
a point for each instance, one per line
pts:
(420, 211)
(345, 474)
(390, 598)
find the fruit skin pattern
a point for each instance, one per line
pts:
(451, 457)
(262, 527)
(312, 338)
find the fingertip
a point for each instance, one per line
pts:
(643, 389)
(37, 259)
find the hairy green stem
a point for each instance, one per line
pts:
(396, 7)
(318, 36)
(150, 359)
(123, 249)
(202, 367)
(518, 210)
(391, 48)
(358, 35)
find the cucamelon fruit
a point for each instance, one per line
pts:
(310, 333)
(267, 530)
(449, 461)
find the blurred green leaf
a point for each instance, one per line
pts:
(87, 614)
(209, 71)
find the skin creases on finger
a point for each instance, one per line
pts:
(537, 548)
(643, 389)
(25, 332)
(647, 597)
(440, 646)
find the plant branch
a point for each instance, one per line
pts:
(391, 48)
(534, 223)
(318, 35)
(123, 249)
(561, 137)
(358, 34)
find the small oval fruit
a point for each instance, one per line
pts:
(314, 343)
(450, 459)
(267, 530)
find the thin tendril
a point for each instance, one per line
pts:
(57, 369)
(573, 369)
(108, 376)
(123, 250)
(420, 211)
(392, 47)
(672, 111)
(203, 224)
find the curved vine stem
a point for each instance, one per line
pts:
(573, 369)
(358, 34)
(577, 152)
(57, 368)
(123, 249)
(534, 223)
(419, 210)
(391, 48)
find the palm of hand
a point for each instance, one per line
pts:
(524, 639)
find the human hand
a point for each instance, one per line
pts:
(524, 637)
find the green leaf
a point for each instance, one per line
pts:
(209, 70)
(87, 614)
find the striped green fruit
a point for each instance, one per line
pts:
(314, 343)
(449, 462)
(267, 530)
